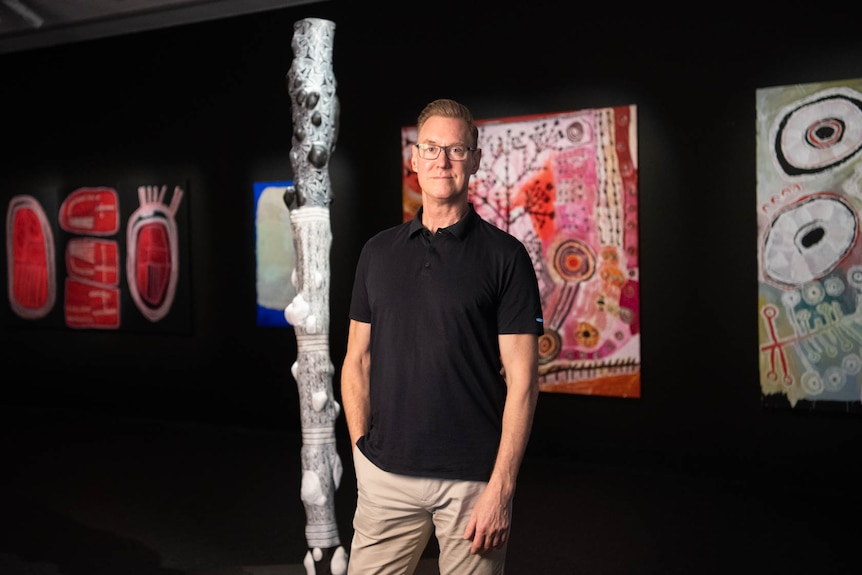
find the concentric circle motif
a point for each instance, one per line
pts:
(854, 276)
(550, 344)
(809, 239)
(791, 299)
(819, 133)
(852, 364)
(834, 379)
(813, 293)
(834, 287)
(574, 261)
(811, 383)
(576, 131)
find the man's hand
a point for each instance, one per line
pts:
(489, 523)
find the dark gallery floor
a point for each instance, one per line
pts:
(91, 494)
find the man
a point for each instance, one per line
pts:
(440, 379)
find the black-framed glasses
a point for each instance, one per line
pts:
(456, 153)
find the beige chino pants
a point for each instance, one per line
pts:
(397, 514)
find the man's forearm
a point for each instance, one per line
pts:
(354, 397)
(517, 423)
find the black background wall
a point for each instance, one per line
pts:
(207, 103)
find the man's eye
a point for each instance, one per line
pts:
(457, 150)
(431, 149)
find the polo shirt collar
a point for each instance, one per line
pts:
(459, 229)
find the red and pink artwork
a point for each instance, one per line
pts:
(566, 185)
(92, 287)
(92, 294)
(809, 196)
(152, 243)
(30, 249)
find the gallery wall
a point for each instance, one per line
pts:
(207, 104)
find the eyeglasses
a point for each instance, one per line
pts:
(457, 153)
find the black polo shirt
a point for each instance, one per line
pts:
(436, 305)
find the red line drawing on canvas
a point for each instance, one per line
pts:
(152, 259)
(92, 211)
(30, 258)
(95, 260)
(91, 305)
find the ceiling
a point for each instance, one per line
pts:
(27, 24)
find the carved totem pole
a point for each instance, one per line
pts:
(315, 110)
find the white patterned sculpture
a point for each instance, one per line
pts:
(315, 108)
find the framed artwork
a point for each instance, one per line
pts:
(566, 185)
(809, 192)
(99, 257)
(274, 253)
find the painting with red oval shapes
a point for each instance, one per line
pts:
(99, 257)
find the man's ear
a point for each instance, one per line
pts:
(477, 159)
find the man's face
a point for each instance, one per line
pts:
(442, 178)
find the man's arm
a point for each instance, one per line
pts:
(355, 379)
(490, 520)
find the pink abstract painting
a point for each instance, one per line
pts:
(566, 185)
